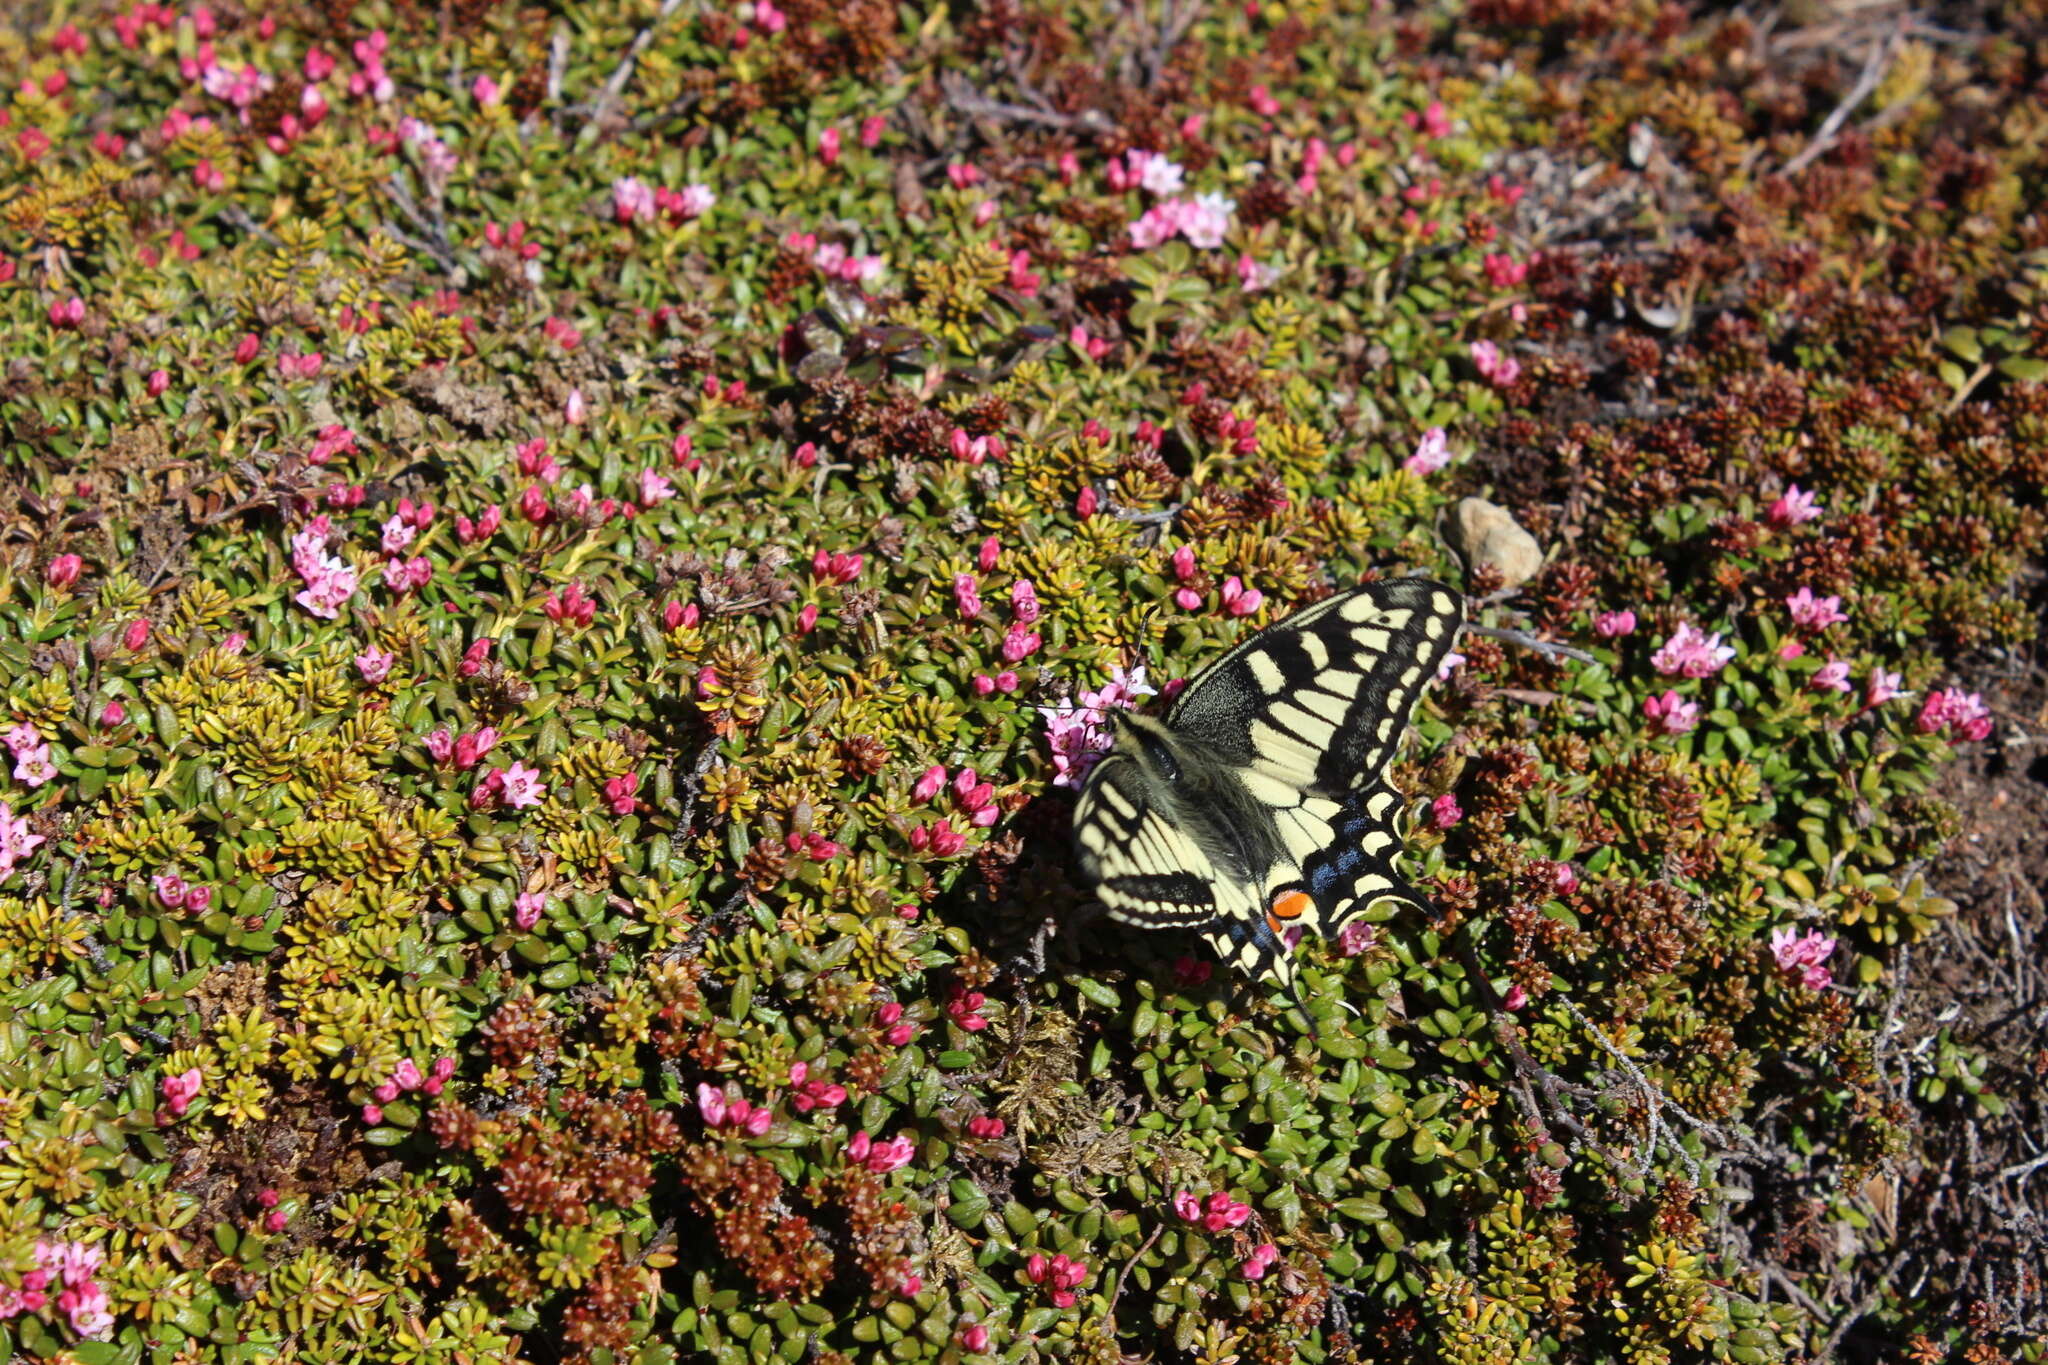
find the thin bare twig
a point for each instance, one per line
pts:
(1109, 1309)
(1872, 75)
(1549, 649)
(1856, 1314)
(971, 102)
(615, 84)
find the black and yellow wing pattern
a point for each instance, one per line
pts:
(1258, 806)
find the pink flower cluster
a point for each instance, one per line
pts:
(81, 1299)
(330, 581)
(1079, 733)
(1063, 1274)
(1692, 654)
(1954, 709)
(570, 607)
(1673, 714)
(836, 568)
(406, 1077)
(1793, 508)
(1612, 625)
(986, 1127)
(16, 843)
(1495, 366)
(517, 786)
(965, 1007)
(735, 1114)
(896, 1030)
(1832, 676)
(527, 908)
(179, 1091)
(1814, 613)
(634, 202)
(1445, 811)
(976, 797)
(1215, 1214)
(1432, 453)
(1260, 1261)
(976, 449)
(1203, 220)
(881, 1157)
(31, 751)
(175, 893)
(1804, 956)
(465, 752)
(835, 260)
(808, 1092)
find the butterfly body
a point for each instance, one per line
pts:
(1257, 809)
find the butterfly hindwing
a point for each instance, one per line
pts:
(1146, 871)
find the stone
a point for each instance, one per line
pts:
(1485, 533)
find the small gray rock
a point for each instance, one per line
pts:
(1485, 534)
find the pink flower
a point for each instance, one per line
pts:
(1804, 956)
(836, 568)
(67, 312)
(1504, 272)
(1261, 1259)
(620, 793)
(884, 1157)
(1238, 600)
(375, 664)
(1432, 453)
(632, 201)
(1020, 644)
(1674, 715)
(1217, 1213)
(574, 408)
(1445, 811)
(1883, 687)
(1495, 367)
(137, 634)
(1814, 613)
(967, 595)
(63, 571)
(1516, 997)
(528, 906)
(1086, 502)
(1954, 709)
(1354, 938)
(1610, 625)
(179, 1091)
(985, 1127)
(523, 787)
(711, 1104)
(929, 785)
(112, 714)
(1833, 676)
(1793, 508)
(1063, 1274)
(828, 146)
(16, 843)
(974, 1339)
(1024, 601)
(1689, 653)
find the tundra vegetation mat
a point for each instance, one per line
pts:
(562, 563)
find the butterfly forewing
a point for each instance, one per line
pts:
(1316, 704)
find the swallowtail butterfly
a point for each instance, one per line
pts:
(1260, 804)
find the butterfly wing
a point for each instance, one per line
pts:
(1308, 715)
(1316, 705)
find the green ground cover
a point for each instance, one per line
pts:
(551, 556)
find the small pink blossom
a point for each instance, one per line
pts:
(179, 1091)
(1061, 1273)
(375, 664)
(1793, 508)
(1494, 366)
(1692, 654)
(1814, 613)
(1432, 453)
(1951, 708)
(1832, 676)
(828, 146)
(523, 787)
(1238, 600)
(1883, 687)
(1612, 625)
(1260, 1261)
(1804, 956)
(1445, 812)
(527, 908)
(1673, 714)
(63, 571)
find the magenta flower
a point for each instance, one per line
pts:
(1024, 601)
(1612, 625)
(1814, 613)
(1354, 938)
(63, 571)
(1804, 956)
(1432, 453)
(1445, 812)
(1260, 1261)
(1883, 687)
(1063, 1274)
(1833, 676)
(828, 146)
(1020, 643)
(523, 787)
(1954, 709)
(375, 664)
(1793, 508)
(16, 843)
(1217, 1213)
(1689, 653)
(179, 1091)
(1238, 600)
(967, 595)
(881, 1157)
(1495, 366)
(1673, 714)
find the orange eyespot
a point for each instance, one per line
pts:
(1291, 904)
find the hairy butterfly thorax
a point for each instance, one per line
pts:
(1257, 809)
